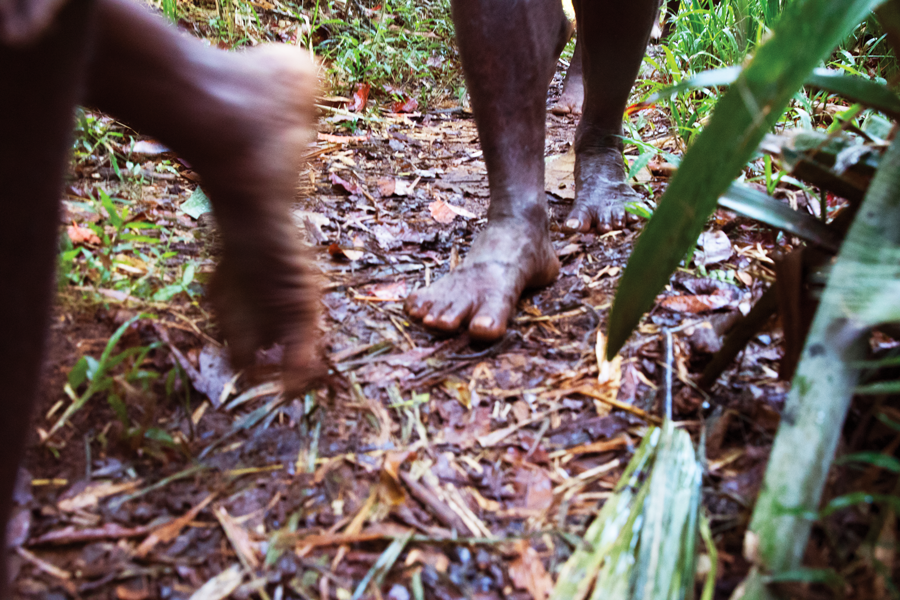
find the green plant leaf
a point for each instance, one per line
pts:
(765, 209)
(874, 459)
(188, 276)
(78, 374)
(881, 387)
(807, 31)
(114, 217)
(825, 576)
(198, 204)
(872, 94)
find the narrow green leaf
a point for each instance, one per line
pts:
(765, 209)
(825, 576)
(872, 94)
(111, 210)
(807, 31)
(871, 458)
(882, 387)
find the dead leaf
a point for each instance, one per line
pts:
(536, 489)
(149, 148)
(715, 247)
(695, 304)
(441, 212)
(126, 593)
(341, 139)
(609, 371)
(94, 492)
(74, 535)
(170, 530)
(337, 251)
(527, 572)
(389, 186)
(394, 291)
(215, 374)
(81, 235)
(406, 105)
(559, 175)
(221, 586)
(348, 186)
(239, 537)
(360, 97)
(445, 213)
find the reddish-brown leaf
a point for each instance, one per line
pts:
(698, 303)
(360, 97)
(81, 235)
(350, 187)
(406, 105)
(441, 212)
(528, 573)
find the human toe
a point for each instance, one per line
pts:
(490, 319)
(579, 220)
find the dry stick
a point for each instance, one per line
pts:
(587, 391)
(441, 511)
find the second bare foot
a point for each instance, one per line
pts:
(601, 192)
(571, 100)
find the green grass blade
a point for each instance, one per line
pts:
(807, 31)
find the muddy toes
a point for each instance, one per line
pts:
(600, 217)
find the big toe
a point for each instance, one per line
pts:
(580, 219)
(490, 320)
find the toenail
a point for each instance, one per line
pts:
(483, 323)
(573, 224)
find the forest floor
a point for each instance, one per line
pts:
(429, 465)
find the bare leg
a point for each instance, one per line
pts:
(243, 121)
(615, 36)
(509, 52)
(571, 101)
(41, 84)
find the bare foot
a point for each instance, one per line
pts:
(601, 192)
(264, 291)
(571, 100)
(507, 258)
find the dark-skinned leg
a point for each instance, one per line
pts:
(41, 85)
(508, 51)
(615, 36)
(243, 121)
(571, 100)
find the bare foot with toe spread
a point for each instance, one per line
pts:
(505, 260)
(601, 192)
